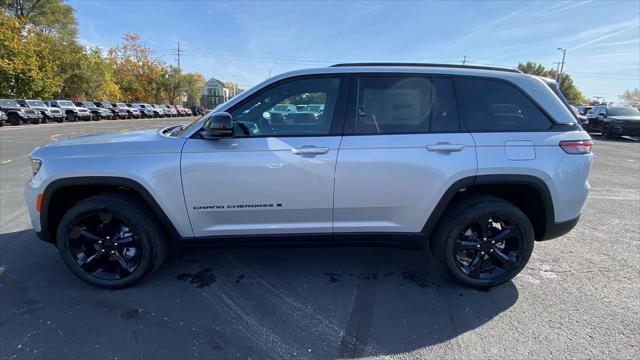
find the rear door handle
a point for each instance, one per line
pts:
(310, 150)
(445, 147)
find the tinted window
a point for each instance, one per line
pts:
(491, 105)
(275, 112)
(388, 105)
(444, 113)
(400, 105)
(622, 111)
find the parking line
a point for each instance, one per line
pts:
(6, 162)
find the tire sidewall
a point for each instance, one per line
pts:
(500, 209)
(89, 207)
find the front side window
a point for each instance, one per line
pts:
(623, 111)
(491, 105)
(275, 111)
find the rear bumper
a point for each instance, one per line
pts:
(558, 229)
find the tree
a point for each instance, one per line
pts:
(134, 69)
(50, 17)
(567, 87)
(27, 69)
(631, 98)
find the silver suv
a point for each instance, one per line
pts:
(473, 163)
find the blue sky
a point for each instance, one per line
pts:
(243, 41)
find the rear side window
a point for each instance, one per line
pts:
(491, 105)
(403, 104)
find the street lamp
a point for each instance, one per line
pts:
(564, 53)
(271, 69)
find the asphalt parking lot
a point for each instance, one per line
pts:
(579, 296)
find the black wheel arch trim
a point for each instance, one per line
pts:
(497, 179)
(136, 187)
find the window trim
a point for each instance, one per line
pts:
(337, 123)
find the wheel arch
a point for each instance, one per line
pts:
(530, 193)
(61, 194)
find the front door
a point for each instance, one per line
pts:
(275, 175)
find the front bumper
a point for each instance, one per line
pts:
(83, 115)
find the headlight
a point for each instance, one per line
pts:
(35, 165)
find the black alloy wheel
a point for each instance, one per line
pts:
(484, 241)
(104, 245)
(488, 247)
(111, 240)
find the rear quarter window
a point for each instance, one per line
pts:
(491, 105)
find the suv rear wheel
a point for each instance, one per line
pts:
(111, 241)
(484, 241)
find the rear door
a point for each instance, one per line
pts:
(402, 149)
(275, 175)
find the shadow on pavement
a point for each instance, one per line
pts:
(339, 302)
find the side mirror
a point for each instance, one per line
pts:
(220, 125)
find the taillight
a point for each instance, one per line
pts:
(576, 146)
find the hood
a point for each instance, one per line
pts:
(636, 117)
(108, 138)
(107, 145)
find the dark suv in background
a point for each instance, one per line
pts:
(614, 121)
(46, 112)
(116, 112)
(96, 112)
(17, 114)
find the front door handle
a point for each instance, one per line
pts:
(445, 147)
(310, 150)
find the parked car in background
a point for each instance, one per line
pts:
(170, 111)
(583, 120)
(17, 114)
(584, 109)
(159, 109)
(72, 112)
(189, 112)
(48, 113)
(615, 121)
(3, 118)
(116, 113)
(146, 111)
(180, 109)
(96, 112)
(130, 111)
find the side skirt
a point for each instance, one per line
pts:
(412, 241)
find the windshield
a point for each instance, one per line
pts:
(37, 103)
(106, 104)
(121, 105)
(66, 104)
(185, 128)
(88, 104)
(9, 103)
(622, 111)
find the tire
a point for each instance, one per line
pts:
(137, 228)
(457, 246)
(44, 120)
(59, 120)
(72, 117)
(606, 132)
(14, 119)
(35, 121)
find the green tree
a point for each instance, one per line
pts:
(50, 17)
(26, 67)
(631, 98)
(567, 87)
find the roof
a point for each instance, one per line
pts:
(213, 82)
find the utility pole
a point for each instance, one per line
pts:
(464, 61)
(178, 53)
(564, 53)
(557, 70)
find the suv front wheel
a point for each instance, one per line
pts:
(484, 241)
(111, 241)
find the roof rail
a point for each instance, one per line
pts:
(479, 67)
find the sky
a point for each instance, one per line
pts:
(245, 41)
